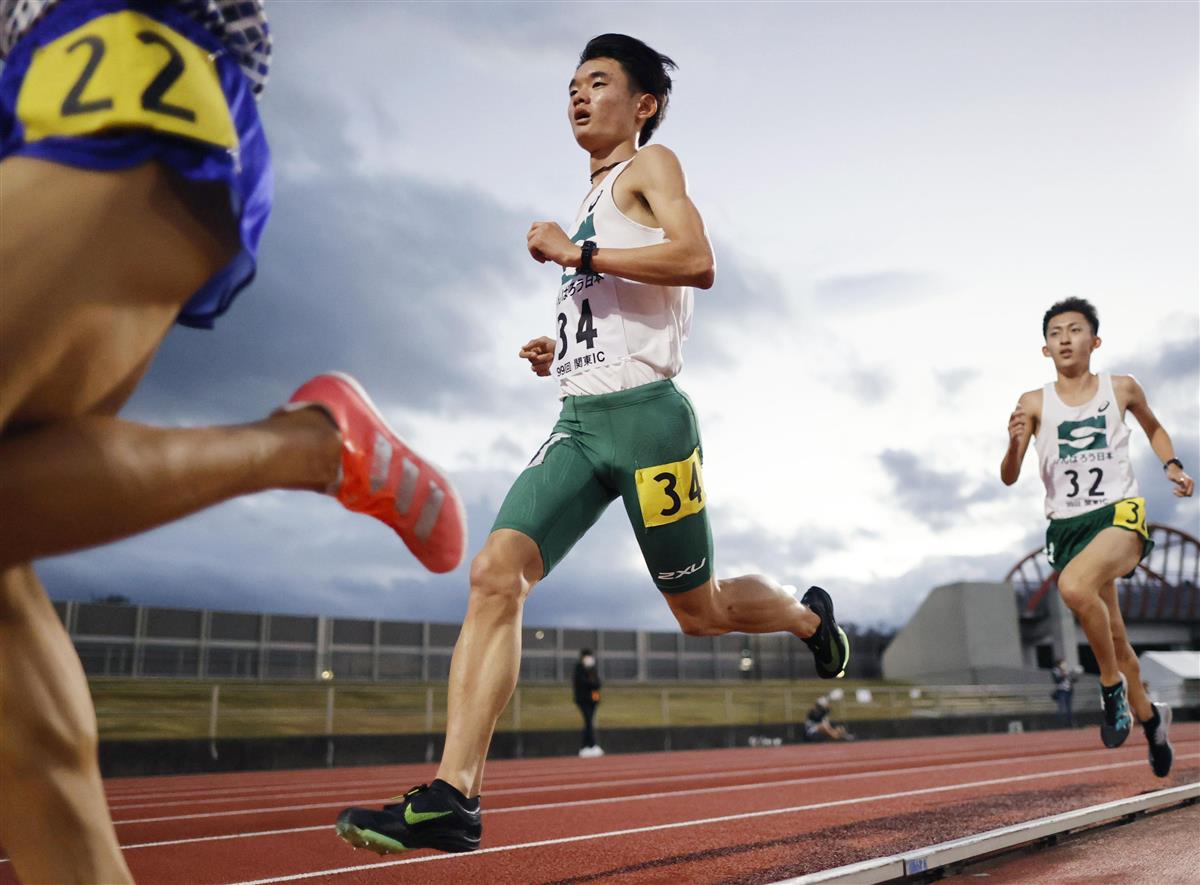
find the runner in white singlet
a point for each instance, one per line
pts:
(1097, 531)
(623, 306)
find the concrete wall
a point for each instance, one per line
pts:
(964, 633)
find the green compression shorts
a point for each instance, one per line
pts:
(1066, 538)
(642, 445)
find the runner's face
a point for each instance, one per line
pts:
(602, 110)
(1069, 341)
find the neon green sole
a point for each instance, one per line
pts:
(368, 839)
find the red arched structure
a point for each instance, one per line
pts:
(1162, 588)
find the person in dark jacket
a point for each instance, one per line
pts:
(587, 697)
(819, 727)
(1064, 690)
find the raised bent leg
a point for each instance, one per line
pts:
(1112, 553)
(746, 604)
(90, 480)
(487, 656)
(54, 821)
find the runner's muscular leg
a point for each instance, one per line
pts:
(54, 821)
(117, 253)
(487, 656)
(746, 604)
(1127, 660)
(1112, 553)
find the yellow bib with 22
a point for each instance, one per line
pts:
(124, 69)
(669, 492)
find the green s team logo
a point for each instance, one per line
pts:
(1082, 436)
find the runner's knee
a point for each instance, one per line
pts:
(696, 613)
(496, 574)
(1075, 593)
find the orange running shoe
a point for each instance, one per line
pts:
(382, 477)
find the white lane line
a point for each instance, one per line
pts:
(892, 772)
(420, 771)
(547, 788)
(412, 770)
(124, 793)
(578, 785)
(696, 823)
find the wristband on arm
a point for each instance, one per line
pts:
(1174, 461)
(585, 261)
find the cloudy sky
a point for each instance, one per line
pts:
(895, 191)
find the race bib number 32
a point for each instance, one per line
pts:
(669, 492)
(124, 69)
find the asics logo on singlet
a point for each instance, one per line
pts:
(1082, 436)
(683, 572)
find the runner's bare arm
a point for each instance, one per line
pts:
(1131, 397)
(685, 259)
(1022, 425)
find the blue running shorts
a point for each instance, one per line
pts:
(112, 84)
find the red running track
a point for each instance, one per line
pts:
(728, 816)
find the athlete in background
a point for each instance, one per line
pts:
(1097, 530)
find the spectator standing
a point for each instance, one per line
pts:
(587, 697)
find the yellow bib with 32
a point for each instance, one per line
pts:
(669, 492)
(124, 69)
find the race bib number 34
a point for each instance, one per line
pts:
(669, 492)
(124, 69)
(589, 331)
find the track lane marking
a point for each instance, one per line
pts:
(860, 775)
(405, 770)
(694, 823)
(583, 785)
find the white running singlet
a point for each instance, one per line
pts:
(610, 333)
(1083, 452)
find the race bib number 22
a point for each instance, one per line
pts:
(124, 69)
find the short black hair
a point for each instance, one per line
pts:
(1078, 305)
(584, 652)
(646, 69)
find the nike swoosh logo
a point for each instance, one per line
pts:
(1103, 407)
(417, 817)
(595, 201)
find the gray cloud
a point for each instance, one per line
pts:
(952, 381)
(869, 386)
(743, 299)
(1176, 362)
(892, 601)
(1161, 504)
(869, 289)
(940, 496)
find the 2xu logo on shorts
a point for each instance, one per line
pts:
(684, 572)
(1082, 436)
